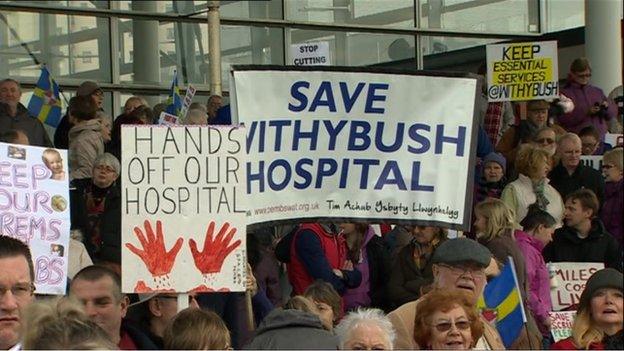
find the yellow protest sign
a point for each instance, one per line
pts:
(522, 71)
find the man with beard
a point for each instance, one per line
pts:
(457, 264)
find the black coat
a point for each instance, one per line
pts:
(379, 269)
(583, 177)
(599, 246)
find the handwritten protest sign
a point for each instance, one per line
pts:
(188, 99)
(593, 161)
(522, 71)
(34, 208)
(167, 119)
(331, 144)
(183, 208)
(561, 327)
(568, 281)
(310, 54)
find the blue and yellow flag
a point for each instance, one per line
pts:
(501, 303)
(45, 103)
(174, 102)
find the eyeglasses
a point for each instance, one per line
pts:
(545, 141)
(443, 327)
(20, 291)
(105, 169)
(460, 271)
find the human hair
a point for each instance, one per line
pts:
(584, 332)
(143, 113)
(11, 247)
(536, 217)
(614, 156)
(96, 272)
(50, 151)
(590, 131)
(444, 300)
(499, 218)
(536, 104)
(196, 329)
(301, 303)
(587, 199)
(108, 159)
(82, 108)
(11, 80)
(322, 291)
(569, 137)
(196, 117)
(529, 160)
(541, 130)
(62, 324)
(365, 317)
(580, 64)
(136, 98)
(198, 106)
(354, 253)
(10, 135)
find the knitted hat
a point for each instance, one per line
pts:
(496, 157)
(604, 278)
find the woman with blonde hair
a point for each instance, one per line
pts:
(531, 187)
(598, 322)
(195, 329)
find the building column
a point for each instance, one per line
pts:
(214, 47)
(146, 54)
(603, 42)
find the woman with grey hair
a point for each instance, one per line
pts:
(366, 329)
(96, 211)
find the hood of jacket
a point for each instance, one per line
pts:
(597, 231)
(91, 125)
(280, 319)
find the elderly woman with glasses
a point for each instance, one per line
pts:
(96, 211)
(447, 320)
(591, 106)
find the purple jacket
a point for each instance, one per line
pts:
(359, 296)
(584, 97)
(613, 210)
(537, 277)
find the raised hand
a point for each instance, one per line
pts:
(211, 258)
(154, 254)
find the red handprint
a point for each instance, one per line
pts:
(154, 254)
(211, 258)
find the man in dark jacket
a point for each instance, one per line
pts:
(13, 115)
(583, 238)
(570, 174)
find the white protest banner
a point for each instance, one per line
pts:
(522, 71)
(310, 54)
(188, 99)
(593, 161)
(614, 139)
(328, 144)
(183, 208)
(34, 208)
(569, 282)
(561, 327)
(167, 119)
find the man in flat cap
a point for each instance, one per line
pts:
(457, 264)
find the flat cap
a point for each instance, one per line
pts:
(462, 250)
(87, 88)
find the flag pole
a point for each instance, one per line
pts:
(524, 317)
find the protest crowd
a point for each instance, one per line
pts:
(351, 284)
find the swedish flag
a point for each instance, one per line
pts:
(501, 302)
(45, 103)
(174, 102)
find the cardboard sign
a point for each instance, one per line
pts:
(561, 327)
(34, 208)
(183, 208)
(614, 139)
(188, 99)
(522, 71)
(374, 146)
(167, 119)
(593, 161)
(310, 54)
(568, 281)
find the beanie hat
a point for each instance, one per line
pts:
(87, 88)
(604, 278)
(496, 157)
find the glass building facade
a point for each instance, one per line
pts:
(134, 47)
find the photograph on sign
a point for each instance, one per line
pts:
(183, 209)
(331, 144)
(522, 71)
(34, 208)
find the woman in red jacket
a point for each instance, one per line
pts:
(598, 322)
